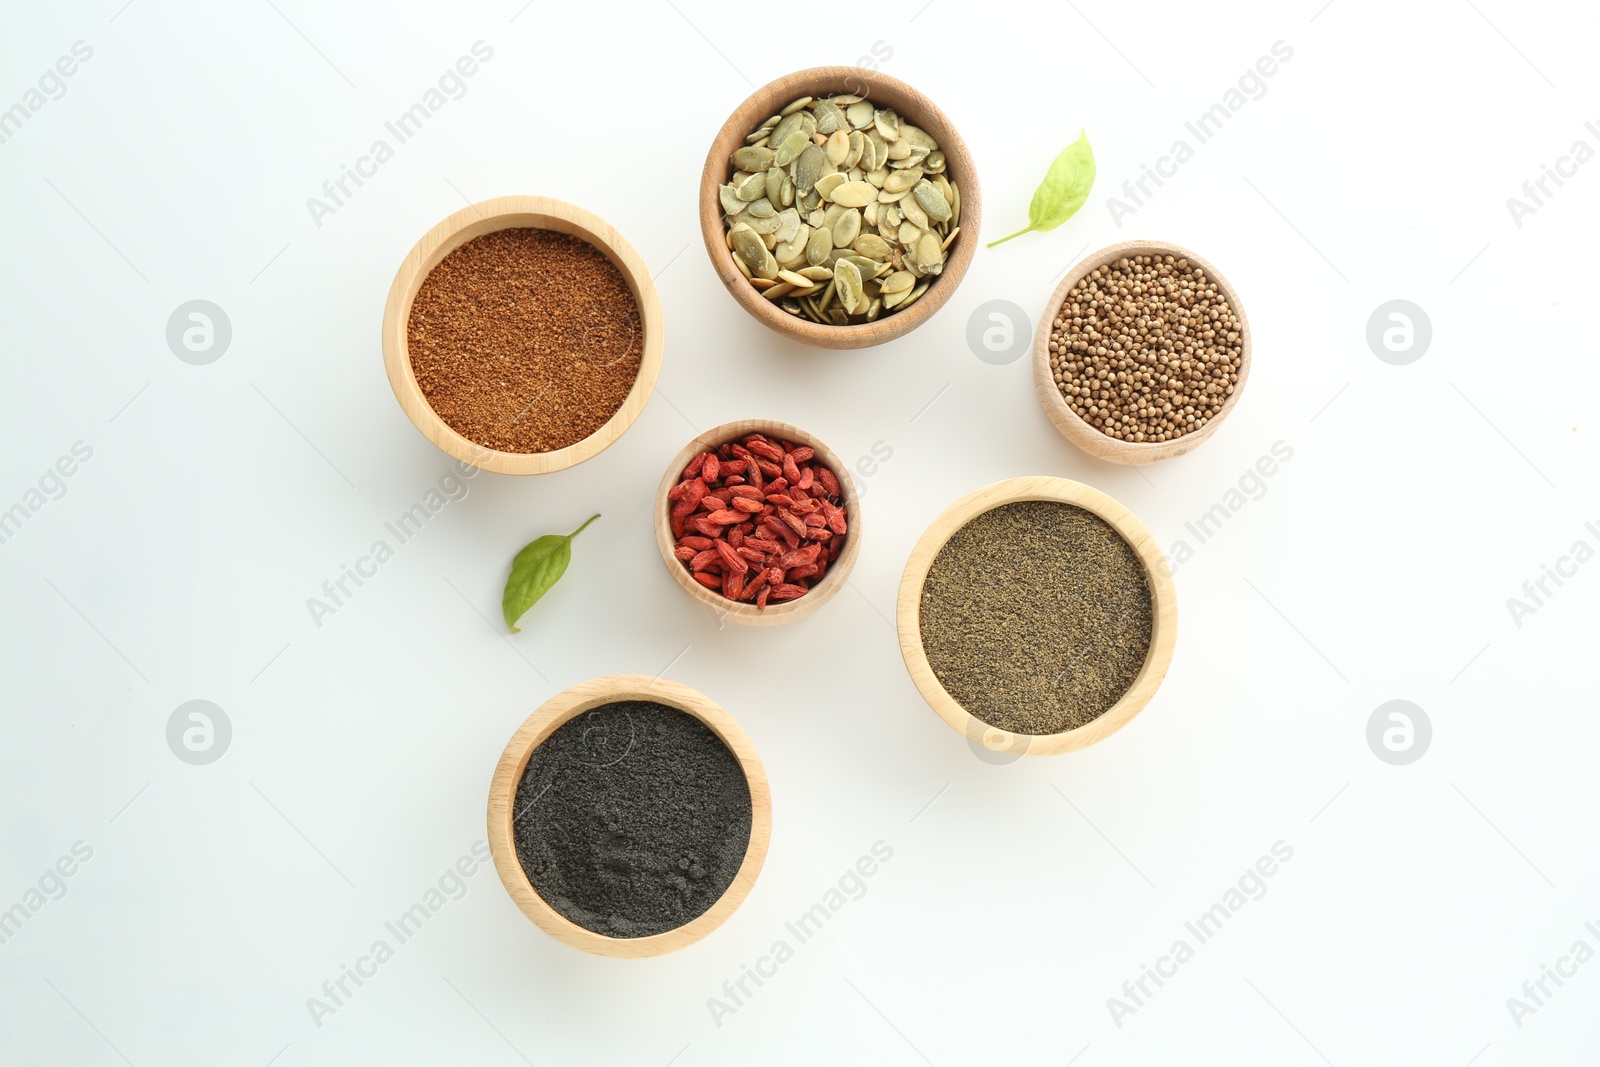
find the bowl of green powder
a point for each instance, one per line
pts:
(1037, 616)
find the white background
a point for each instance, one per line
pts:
(1377, 565)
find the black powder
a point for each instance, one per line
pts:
(632, 819)
(1036, 616)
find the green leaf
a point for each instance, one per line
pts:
(537, 567)
(1064, 189)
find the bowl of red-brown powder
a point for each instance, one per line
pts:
(522, 335)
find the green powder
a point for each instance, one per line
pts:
(1036, 616)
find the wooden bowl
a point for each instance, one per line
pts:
(1163, 603)
(504, 213)
(738, 611)
(885, 92)
(540, 725)
(1069, 422)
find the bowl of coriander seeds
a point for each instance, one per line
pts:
(1142, 351)
(839, 207)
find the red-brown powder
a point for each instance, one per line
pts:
(525, 340)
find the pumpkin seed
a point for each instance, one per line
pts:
(818, 247)
(760, 225)
(730, 199)
(858, 194)
(901, 180)
(811, 165)
(929, 199)
(790, 123)
(858, 144)
(796, 106)
(887, 123)
(790, 147)
(752, 158)
(898, 282)
(829, 118)
(879, 149)
(815, 274)
(828, 183)
(761, 209)
(754, 187)
(847, 279)
(748, 246)
(846, 228)
(838, 148)
(870, 245)
(792, 253)
(788, 224)
(913, 213)
(860, 114)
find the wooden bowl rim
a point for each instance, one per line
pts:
(1069, 423)
(716, 603)
(561, 708)
(814, 81)
(1164, 613)
(488, 216)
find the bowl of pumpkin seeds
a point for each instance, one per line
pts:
(839, 206)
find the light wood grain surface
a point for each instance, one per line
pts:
(738, 611)
(1069, 422)
(503, 213)
(1163, 604)
(883, 91)
(574, 702)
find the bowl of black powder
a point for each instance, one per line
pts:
(629, 816)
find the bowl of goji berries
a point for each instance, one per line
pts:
(758, 521)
